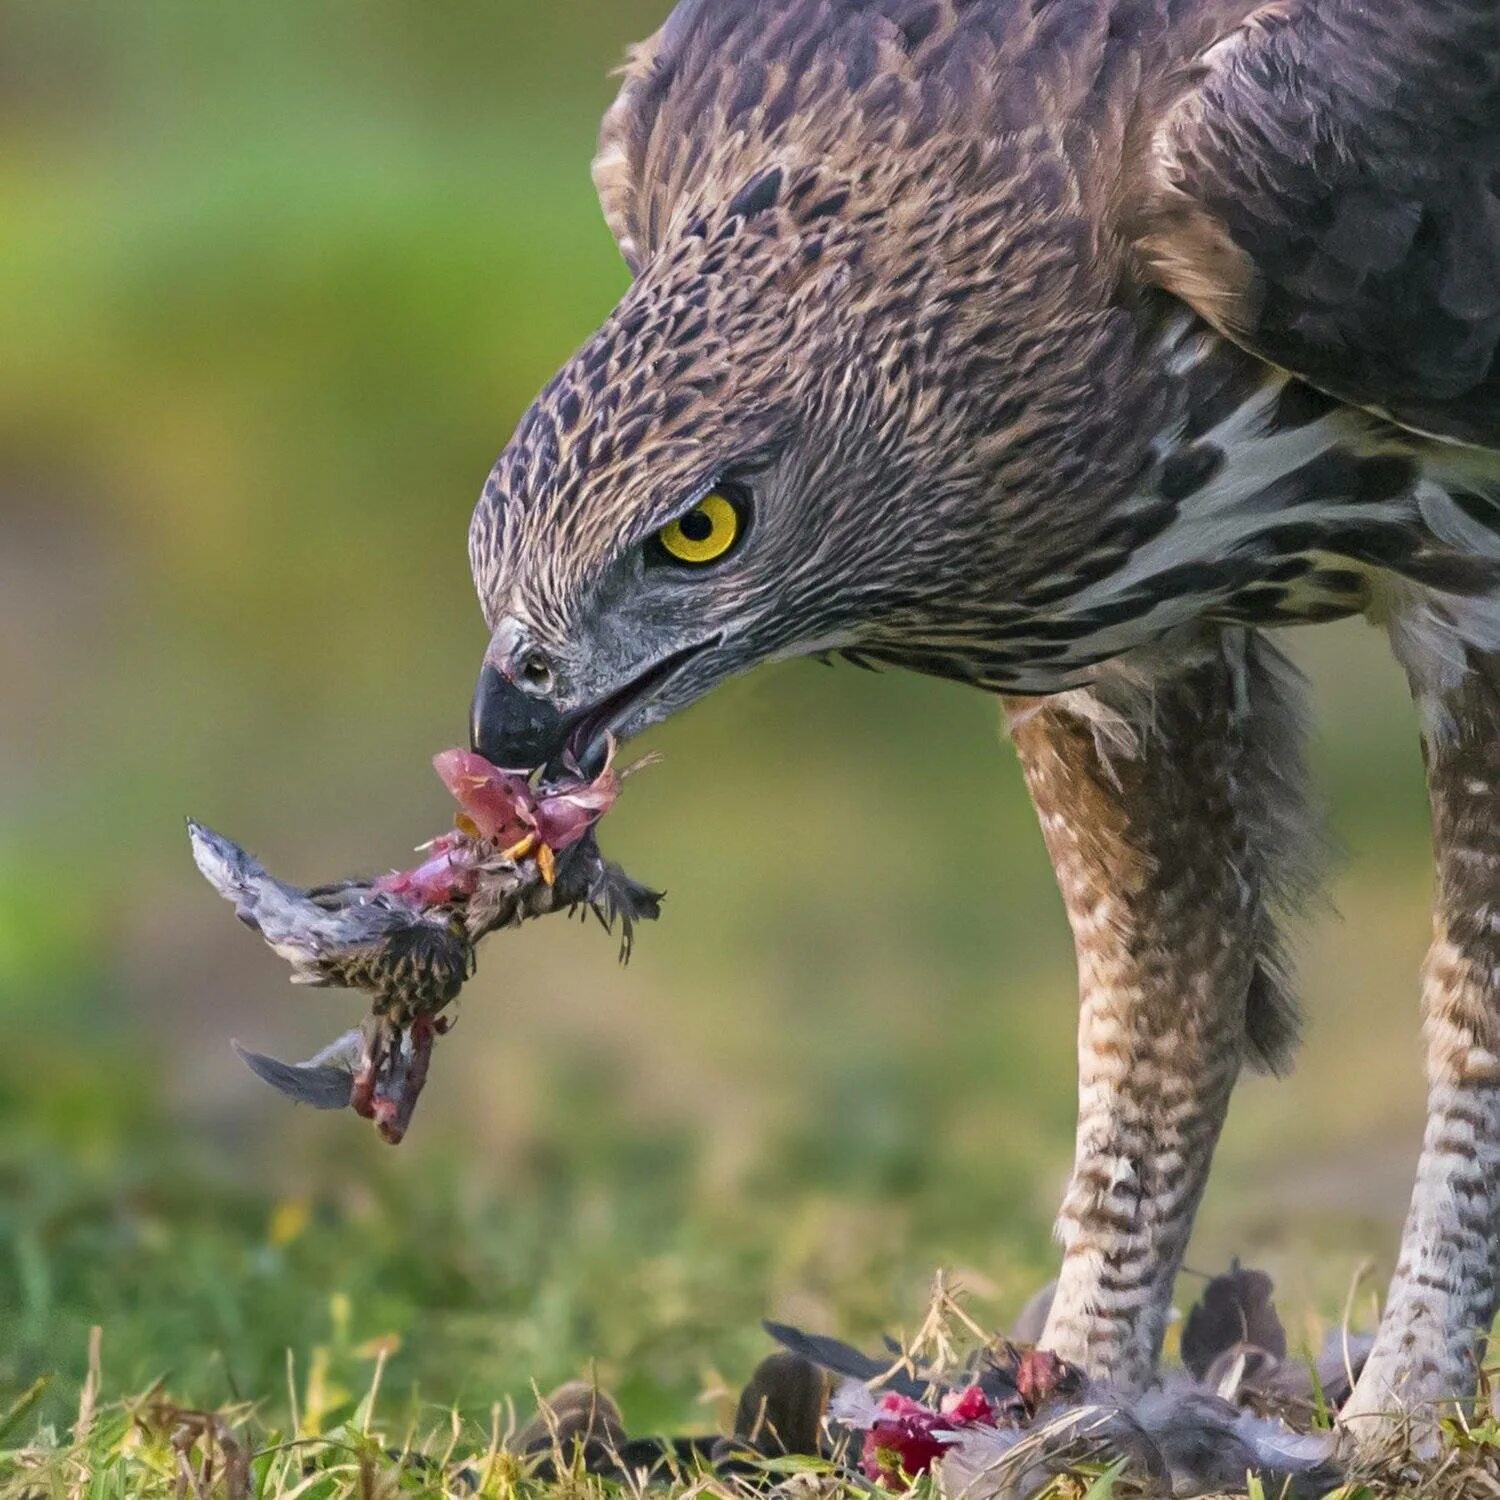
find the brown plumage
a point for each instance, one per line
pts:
(1060, 347)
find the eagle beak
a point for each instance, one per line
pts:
(513, 728)
(517, 725)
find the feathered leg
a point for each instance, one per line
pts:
(1443, 1297)
(1172, 806)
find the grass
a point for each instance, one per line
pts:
(611, 1258)
(335, 1431)
(172, 1331)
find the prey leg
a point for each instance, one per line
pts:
(393, 1109)
(1443, 1297)
(371, 1060)
(1173, 811)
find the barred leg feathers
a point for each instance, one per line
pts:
(1171, 799)
(1443, 1296)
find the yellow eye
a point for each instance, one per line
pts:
(705, 533)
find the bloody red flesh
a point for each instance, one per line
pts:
(502, 812)
(506, 808)
(447, 876)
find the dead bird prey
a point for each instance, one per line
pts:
(519, 848)
(1005, 1420)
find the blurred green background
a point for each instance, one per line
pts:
(276, 282)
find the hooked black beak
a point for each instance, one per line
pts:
(522, 731)
(511, 728)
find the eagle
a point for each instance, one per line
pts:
(1067, 348)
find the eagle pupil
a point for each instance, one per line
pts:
(697, 526)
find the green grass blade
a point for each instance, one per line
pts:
(18, 1410)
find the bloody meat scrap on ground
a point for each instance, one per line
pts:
(520, 847)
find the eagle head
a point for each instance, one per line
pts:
(799, 432)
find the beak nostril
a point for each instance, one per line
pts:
(537, 673)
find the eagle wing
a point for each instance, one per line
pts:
(1326, 191)
(638, 169)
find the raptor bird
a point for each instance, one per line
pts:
(1065, 348)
